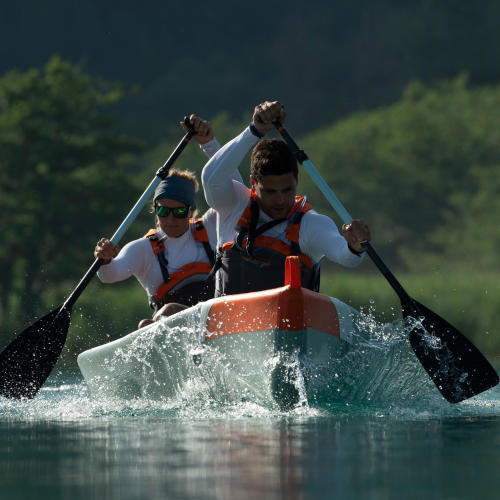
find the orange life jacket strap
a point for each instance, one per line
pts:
(299, 208)
(281, 247)
(199, 230)
(227, 246)
(157, 245)
(151, 232)
(184, 272)
(300, 205)
(274, 244)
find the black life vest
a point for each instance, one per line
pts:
(190, 284)
(255, 262)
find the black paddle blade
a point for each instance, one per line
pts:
(454, 364)
(28, 360)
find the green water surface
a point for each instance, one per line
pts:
(64, 445)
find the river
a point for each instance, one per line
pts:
(385, 432)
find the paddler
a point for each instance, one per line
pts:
(173, 260)
(259, 227)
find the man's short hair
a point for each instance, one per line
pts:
(272, 157)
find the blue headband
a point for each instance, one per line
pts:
(178, 189)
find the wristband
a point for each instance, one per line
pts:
(254, 131)
(355, 252)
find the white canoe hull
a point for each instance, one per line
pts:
(249, 346)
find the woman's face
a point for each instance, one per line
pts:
(173, 226)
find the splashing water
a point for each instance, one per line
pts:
(377, 374)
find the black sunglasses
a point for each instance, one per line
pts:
(178, 212)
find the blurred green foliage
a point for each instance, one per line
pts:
(323, 59)
(422, 172)
(62, 175)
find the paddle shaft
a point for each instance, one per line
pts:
(303, 159)
(161, 174)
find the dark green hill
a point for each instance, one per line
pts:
(324, 59)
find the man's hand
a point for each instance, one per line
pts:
(265, 114)
(356, 233)
(105, 250)
(203, 129)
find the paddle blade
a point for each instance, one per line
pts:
(455, 365)
(28, 360)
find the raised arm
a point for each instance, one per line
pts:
(220, 176)
(204, 135)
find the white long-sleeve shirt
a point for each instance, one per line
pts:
(318, 237)
(137, 258)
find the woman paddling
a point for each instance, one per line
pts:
(172, 261)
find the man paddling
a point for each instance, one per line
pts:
(172, 261)
(259, 227)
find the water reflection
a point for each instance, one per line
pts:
(213, 459)
(348, 456)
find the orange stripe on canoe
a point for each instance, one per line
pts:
(287, 308)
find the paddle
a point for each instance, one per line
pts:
(28, 360)
(454, 364)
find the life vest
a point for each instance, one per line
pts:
(255, 262)
(189, 285)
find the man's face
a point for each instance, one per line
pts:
(275, 194)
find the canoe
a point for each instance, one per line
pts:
(257, 346)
